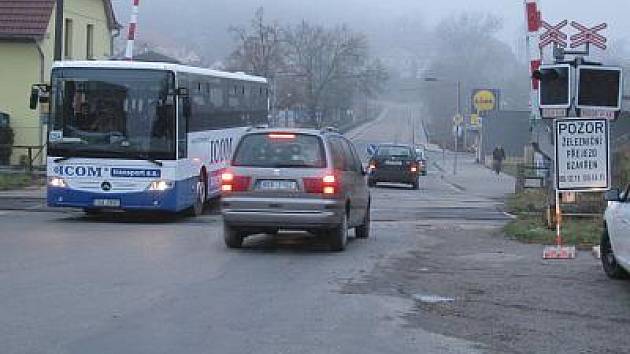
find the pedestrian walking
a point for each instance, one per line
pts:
(498, 155)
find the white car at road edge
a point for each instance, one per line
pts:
(615, 243)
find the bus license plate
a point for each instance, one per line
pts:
(273, 185)
(107, 203)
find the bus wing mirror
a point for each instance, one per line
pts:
(34, 98)
(40, 93)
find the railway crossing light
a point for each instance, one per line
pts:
(555, 93)
(599, 92)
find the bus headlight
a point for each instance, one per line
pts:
(57, 182)
(161, 185)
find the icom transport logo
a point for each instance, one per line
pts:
(78, 171)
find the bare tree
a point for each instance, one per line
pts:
(259, 48)
(333, 65)
(319, 69)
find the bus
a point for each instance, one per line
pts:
(144, 136)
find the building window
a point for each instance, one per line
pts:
(89, 55)
(67, 44)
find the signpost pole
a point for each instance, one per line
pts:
(459, 112)
(558, 221)
(456, 149)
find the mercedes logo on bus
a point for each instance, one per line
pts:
(106, 186)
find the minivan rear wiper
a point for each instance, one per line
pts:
(293, 165)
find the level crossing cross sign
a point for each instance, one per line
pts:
(588, 36)
(554, 34)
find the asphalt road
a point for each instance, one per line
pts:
(436, 277)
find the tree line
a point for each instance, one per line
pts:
(322, 71)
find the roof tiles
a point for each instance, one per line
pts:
(24, 19)
(29, 19)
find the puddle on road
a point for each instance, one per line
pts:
(492, 257)
(432, 299)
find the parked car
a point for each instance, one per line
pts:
(421, 157)
(394, 163)
(298, 179)
(615, 243)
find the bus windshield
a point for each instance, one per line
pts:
(112, 113)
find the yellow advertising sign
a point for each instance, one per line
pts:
(484, 101)
(475, 120)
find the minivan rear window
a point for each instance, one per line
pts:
(277, 150)
(398, 151)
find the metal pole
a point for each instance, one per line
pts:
(59, 20)
(459, 112)
(558, 220)
(272, 100)
(413, 126)
(133, 23)
(456, 149)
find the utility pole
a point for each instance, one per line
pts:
(59, 21)
(457, 126)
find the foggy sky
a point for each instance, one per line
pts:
(195, 21)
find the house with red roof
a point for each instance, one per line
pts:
(27, 39)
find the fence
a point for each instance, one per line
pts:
(529, 176)
(26, 163)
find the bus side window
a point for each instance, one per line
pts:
(183, 117)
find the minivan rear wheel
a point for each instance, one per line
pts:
(233, 237)
(609, 262)
(338, 237)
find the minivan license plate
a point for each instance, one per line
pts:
(107, 203)
(272, 185)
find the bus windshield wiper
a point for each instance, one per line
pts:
(62, 159)
(146, 158)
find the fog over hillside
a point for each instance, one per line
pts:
(391, 25)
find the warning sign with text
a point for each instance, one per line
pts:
(582, 154)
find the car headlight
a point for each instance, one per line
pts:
(57, 182)
(161, 185)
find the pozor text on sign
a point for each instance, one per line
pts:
(582, 154)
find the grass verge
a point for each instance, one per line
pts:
(530, 225)
(529, 201)
(583, 233)
(10, 181)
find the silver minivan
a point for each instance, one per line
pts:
(297, 180)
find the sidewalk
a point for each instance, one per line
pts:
(37, 192)
(474, 178)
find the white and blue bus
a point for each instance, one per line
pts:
(145, 136)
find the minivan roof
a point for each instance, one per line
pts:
(308, 131)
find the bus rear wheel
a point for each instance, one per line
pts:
(200, 199)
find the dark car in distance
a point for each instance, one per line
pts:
(394, 163)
